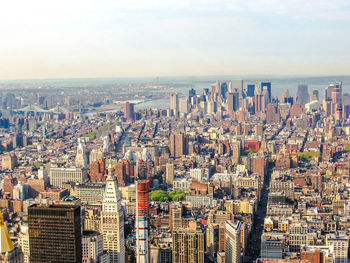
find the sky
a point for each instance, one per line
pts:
(150, 38)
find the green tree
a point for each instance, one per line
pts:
(159, 195)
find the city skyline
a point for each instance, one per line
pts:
(154, 38)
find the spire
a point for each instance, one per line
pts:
(5, 241)
(110, 168)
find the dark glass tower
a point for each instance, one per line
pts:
(54, 233)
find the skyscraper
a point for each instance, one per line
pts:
(178, 145)
(113, 219)
(169, 174)
(233, 242)
(250, 90)
(174, 103)
(129, 113)
(54, 233)
(267, 86)
(142, 202)
(272, 113)
(232, 101)
(188, 246)
(237, 86)
(303, 96)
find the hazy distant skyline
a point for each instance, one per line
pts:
(76, 39)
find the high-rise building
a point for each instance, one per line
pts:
(272, 113)
(337, 94)
(303, 96)
(233, 242)
(113, 219)
(188, 246)
(175, 216)
(232, 101)
(237, 87)
(174, 103)
(178, 144)
(129, 113)
(142, 203)
(184, 106)
(251, 90)
(54, 233)
(169, 174)
(9, 161)
(267, 86)
(258, 101)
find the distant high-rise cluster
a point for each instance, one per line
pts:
(233, 173)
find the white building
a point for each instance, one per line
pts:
(58, 176)
(233, 242)
(113, 219)
(92, 247)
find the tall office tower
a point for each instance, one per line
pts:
(251, 90)
(192, 93)
(233, 242)
(337, 94)
(54, 233)
(303, 96)
(327, 94)
(174, 103)
(188, 246)
(232, 101)
(315, 95)
(267, 86)
(184, 106)
(236, 151)
(272, 113)
(286, 98)
(215, 89)
(265, 99)
(142, 206)
(175, 216)
(178, 145)
(81, 157)
(237, 86)
(169, 174)
(338, 113)
(112, 219)
(129, 113)
(223, 90)
(258, 101)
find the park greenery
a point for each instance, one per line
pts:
(307, 155)
(248, 152)
(106, 127)
(163, 196)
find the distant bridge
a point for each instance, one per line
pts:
(36, 108)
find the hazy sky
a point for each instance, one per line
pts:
(133, 38)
